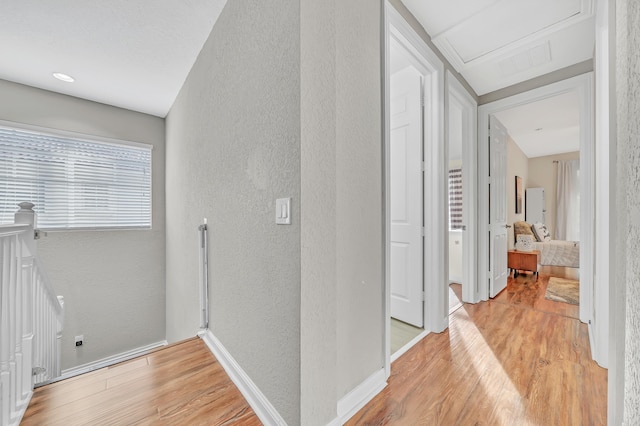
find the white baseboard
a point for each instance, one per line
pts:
(352, 402)
(106, 362)
(256, 399)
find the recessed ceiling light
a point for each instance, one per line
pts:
(64, 77)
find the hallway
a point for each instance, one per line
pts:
(508, 361)
(500, 362)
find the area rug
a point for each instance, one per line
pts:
(563, 290)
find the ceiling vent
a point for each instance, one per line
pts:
(531, 58)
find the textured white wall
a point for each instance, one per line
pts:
(113, 282)
(319, 300)
(233, 147)
(628, 204)
(359, 192)
(341, 145)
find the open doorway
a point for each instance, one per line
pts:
(582, 86)
(461, 112)
(543, 203)
(543, 152)
(406, 178)
(457, 226)
(415, 189)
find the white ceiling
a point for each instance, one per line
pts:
(137, 54)
(134, 54)
(498, 43)
(547, 127)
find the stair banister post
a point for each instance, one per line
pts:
(27, 216)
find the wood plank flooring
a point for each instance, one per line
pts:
(509, 361)
(515, 360)
(527, 291)
(179, 385)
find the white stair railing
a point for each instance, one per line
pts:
(31, 318)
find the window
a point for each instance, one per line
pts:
(75, 183)
(455, 199)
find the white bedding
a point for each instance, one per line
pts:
(559, 253)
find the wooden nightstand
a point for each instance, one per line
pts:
(523, 261)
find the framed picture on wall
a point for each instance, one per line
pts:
(519, 194)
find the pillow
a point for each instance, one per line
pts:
(541, 232)
(524, 243)
(522, 228)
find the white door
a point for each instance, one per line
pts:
(406, 197)
(497, 207)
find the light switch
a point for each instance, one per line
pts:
(283, 211)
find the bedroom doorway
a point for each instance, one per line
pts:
(581, 86)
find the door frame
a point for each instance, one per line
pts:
(435, 275)
(469, 174)
(583, 84)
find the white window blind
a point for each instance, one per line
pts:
(455, 199)
(74, 183)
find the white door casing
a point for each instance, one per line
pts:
(457, 94)
(406, 197)
(497, 207)
(429, 65)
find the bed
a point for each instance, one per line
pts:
(552, 252)
(559, 253)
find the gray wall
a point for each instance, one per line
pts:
(233, 147)
(626, 373)
(359, 146)
(319, 299)
(342, 321)
(543, 80)
(113, 282)
(284, 100)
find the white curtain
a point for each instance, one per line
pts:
(568, 201)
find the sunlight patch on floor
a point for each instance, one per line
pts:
(493, 378)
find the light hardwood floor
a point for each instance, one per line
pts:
(179, 385)
(509, 361)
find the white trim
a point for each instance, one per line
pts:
(469, 175)
(386, 166)
(107, 362)
(359, 396)
(583, 85)
(441, 40)
(73, 135)
(435, 220)
(265, 411)
(17, 418)
(397, 354)
(604, 163)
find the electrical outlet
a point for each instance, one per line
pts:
(79, 340)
